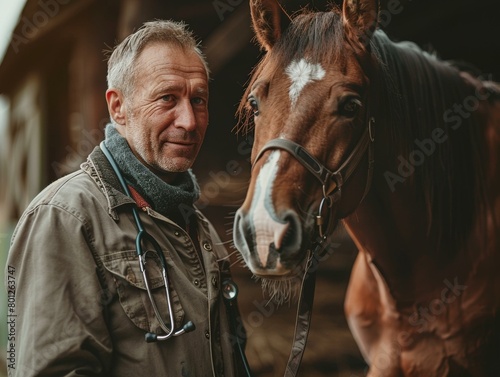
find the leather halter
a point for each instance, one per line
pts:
(332, 182)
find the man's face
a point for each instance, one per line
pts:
(166, 111)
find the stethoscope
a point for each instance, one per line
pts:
(229, 287)
(142, 237)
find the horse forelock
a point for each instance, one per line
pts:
(317, 35)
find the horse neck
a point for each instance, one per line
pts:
(390, 230)
(393, 228)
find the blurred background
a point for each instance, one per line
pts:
(53, 111)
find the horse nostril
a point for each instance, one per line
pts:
(241, 235)
(287, 238)
(272, 247)
(290, 239)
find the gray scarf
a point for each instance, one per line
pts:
(171, 200)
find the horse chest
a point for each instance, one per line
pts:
(422, 340)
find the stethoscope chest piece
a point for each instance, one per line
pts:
(229, 289)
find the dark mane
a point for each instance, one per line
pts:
(418, 94)
(415, 91)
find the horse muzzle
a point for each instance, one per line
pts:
(270, 245)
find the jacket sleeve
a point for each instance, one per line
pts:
(59, 328)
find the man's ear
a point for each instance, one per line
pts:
(116, 106)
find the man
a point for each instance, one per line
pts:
(82, 304)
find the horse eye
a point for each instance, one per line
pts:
(254, 105)
(350, 107)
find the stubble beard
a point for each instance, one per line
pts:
(152, 155)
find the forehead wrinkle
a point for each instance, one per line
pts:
(170, 86)
(152, 59)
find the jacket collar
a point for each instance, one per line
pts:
(101, 172)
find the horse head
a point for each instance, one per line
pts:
(417, 223)
(309, 101)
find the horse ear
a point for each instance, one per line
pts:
(360, 21)
(269, 20)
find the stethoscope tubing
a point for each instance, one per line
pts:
(142, 235)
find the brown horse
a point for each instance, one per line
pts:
(402, 147)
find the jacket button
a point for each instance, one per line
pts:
(215, 282)
(177, 233)
(196, 282)
(207, 246)
(207, 334)
(131, 276)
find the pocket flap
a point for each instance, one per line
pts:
(134, 299)
(126, 265)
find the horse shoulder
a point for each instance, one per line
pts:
(370, 312)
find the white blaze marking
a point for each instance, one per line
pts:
(267, 229)
(301, 73)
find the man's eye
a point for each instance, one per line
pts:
(198, 101)
(167, 98)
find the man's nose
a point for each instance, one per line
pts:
(185, 116)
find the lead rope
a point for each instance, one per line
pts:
(304, 311)
(308, 286)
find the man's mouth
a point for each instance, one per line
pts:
(179, 148)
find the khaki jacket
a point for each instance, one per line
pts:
(74, 318)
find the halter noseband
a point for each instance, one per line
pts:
(331, 182)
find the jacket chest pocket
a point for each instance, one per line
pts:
(133, 295)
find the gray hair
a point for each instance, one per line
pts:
(121, 62)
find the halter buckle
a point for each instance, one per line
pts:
(327, 201)
(371, 124)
